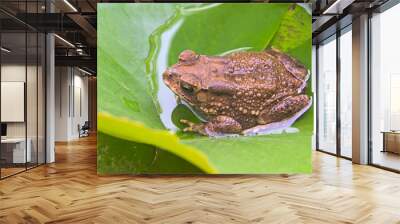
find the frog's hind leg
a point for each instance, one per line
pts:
(281, 115)
(291, 64)
(284, 109)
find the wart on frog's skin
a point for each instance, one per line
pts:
(240, 92)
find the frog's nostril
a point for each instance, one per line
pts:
(167, 74)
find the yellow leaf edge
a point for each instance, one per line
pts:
(130, 130)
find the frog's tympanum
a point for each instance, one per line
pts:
(240, 93)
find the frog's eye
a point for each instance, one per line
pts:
(187, 87)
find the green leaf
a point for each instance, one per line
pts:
(226, 27)
(123, 45)
(230, 155)
(295, 29)
(123, 129)
(129, 45)
(142, 158)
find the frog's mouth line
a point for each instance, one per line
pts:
(184, 99)
(175, 87)
(181, 93)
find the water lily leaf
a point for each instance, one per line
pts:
(129, 85)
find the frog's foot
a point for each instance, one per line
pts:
(193, 127)
(218, 126)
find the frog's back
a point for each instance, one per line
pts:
(263, 79)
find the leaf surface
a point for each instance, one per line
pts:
(128, 102)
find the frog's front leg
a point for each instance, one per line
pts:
(216, 126)
(194, 127)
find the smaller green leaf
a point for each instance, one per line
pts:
(130, 130)
(127, 157)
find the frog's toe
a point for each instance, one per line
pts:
(193, 127)
(189, 123)
(188, 129)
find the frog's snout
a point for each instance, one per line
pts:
(167, 74)
(170, 78)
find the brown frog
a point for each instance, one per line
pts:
(240, 93)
